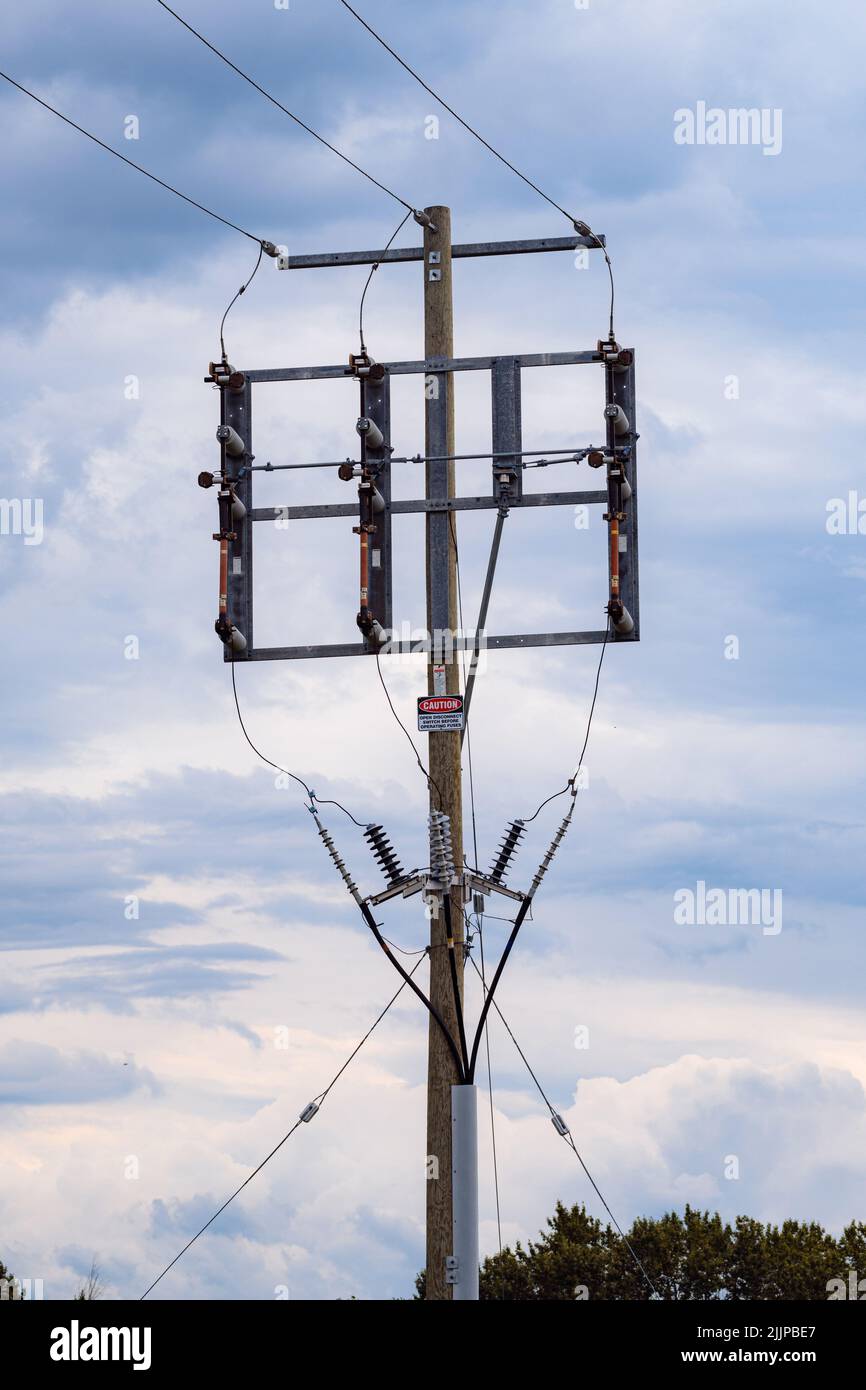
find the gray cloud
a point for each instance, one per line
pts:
(33, 1073)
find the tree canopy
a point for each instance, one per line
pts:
(688, 1257)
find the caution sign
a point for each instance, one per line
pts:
(440, 713)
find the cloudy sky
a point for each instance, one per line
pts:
(149, 1061)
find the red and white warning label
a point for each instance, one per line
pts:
(440, 713)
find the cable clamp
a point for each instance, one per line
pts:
(406, 889)
(488, 885)
(424, 219)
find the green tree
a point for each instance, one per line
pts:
(696, 1256)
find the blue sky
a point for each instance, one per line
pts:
(154, 1038)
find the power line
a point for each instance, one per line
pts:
(452, 112)
(318, 1100)
(582, 228)
(277, 768)
(285, 110)
(374, 267)
(244, 287)
(463, 668)
(429, 1006)
(364, 907)
(570, 784)
(265, 245)
(431, 781)
(563, 1130)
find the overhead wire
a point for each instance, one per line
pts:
(320, 801)
(317, 1100)
(455, 983)
(582, 228)
(132, 164)
(364, 907)
(570, 1140)
(431, 1008)
(285, 110)
(243, 289)
(373, 269)
(431, 781)
(571, 783)
(450, 109)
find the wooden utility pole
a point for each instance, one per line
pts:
(444, 748)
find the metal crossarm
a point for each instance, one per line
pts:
(507, 457)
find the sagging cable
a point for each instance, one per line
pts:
(515, 930)
(455, 983)
(429, 1006)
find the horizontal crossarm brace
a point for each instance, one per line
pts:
(423, 504)
(426, 367)
(512, 642)
(416, 253)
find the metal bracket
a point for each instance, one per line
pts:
(452, 1269)
(406, 889)
(486, 885)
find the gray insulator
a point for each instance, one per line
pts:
(368, 427)
(620, 419)
(558, 1124)
(513, 835)
(383, 852)
(308, 1112)
(441, 849)
(553, 847)
(341, 867)
(625, 624)
(234, 445)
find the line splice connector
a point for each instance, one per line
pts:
(516, 830)
(384, 853)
